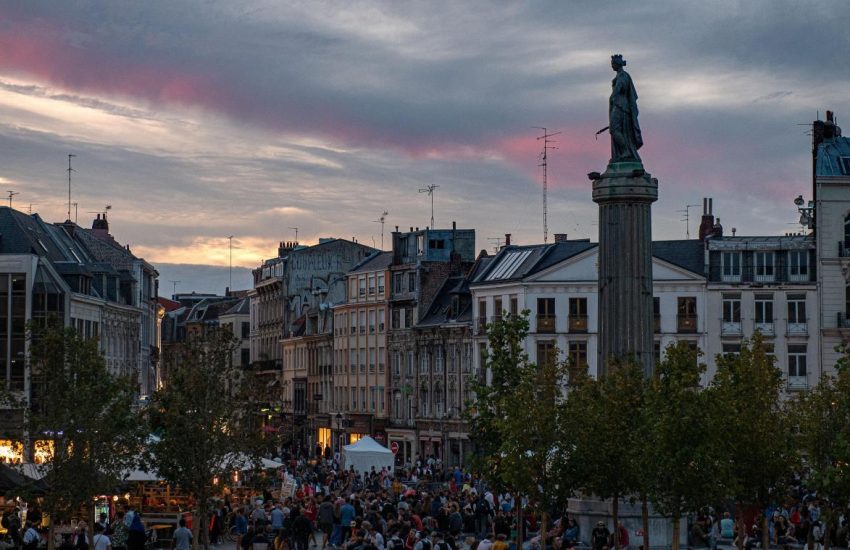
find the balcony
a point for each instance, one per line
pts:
(765, 278)
(686, 324)
(731, 277)
(767, 329)
(578, 323)
(797, 329)
(546, 324)
(796, 383)
(730, 328)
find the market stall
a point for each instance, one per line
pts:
(366, 454)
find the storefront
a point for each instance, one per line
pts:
(404, 439)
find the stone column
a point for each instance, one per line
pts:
(625, 193)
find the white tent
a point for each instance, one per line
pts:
(366, 453)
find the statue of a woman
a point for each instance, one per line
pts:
(623, 115)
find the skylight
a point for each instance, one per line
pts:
(509, 264)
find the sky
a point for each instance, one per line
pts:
(197, 120)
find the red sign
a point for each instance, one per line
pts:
(394, 447)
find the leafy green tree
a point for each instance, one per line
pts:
(603, 426)
(823, 418)
(86, 413)
(515, 419)
(758, 428)
(684, 443)
(203, 418)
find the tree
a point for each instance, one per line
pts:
(516, 418)
(603, 423)
(684, 442)
(84, 414)
(203, 418)
(823, 418)
(758, 428)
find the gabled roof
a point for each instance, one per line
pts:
(518, 262)
(440, 311)
(687, 254)
(373, 262)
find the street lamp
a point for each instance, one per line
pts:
(338, 418)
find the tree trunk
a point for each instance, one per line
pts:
(677, 533)
(543, 530)
(742, 527)
(615, 510)
(644, 513)
(519, 523)
(51, 533)
(765, 533)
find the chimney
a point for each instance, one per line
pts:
(560, 237)
(100, 227)
(706, 224)
(507, 239)
(717, 230)
(454, 225)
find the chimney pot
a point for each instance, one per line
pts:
(507, 239)
(454, 225)
(561, 237)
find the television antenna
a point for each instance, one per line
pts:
(174, 287)
(686, 217)
(230, 267)
(497, 243)
(296, 234)
(430, 190)
(69, 184)
(29, 211)
(76, 211)
(381, 221)
(11, 194)
(544, 158)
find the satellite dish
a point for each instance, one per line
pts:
(799, 201)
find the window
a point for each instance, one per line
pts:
(514, 311)
(381, 398)
(797, 365)
(410, 363)
(731, 314)
(731, 266)
(245, 357)
(382, 313)
(578, 355)
(578, 314)
(381, 356)
(452, 358)
(497, 308)
(423, 402)
(246, 330)
(396, 319)
(686, 314)
(371, 321)
(371, 285)
(482, 355)
(656, 314)
(398, 283)
(372, 360)
(763, 262)
(482, 315)
(396, 363)
(411, 281)
(408, 317)
(362, 399)
(798, 265)
(362, 291)
(353, 320)
(731, 349)
(545, 352)
(546, 315)
(420, 245)
(796, 312)
(764, 312)
(423, 363)
(362, 322)
(436, 244)
(438, 360)
(380, 283)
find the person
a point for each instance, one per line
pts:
(119, 532)
(31, 537)
(325, 516)
(501, 542)
(301, 529)
(101, 541)
(599, 536)
(346, 516)
(182, 539)
(423, 542)
(727, 526)
(81, 536)
(571, 531)
(136, 534)
(277, 518)
(103, 522)
(373, 537)
(699, 536)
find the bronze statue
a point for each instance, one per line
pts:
(623, 115)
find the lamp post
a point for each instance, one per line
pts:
(338, 440)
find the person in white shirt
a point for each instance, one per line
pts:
(100, 541)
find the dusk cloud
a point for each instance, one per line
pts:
(198, 120)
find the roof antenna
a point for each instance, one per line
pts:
(686, 217)
(381, 221)
(11, 194)
(430, 191)
(544, 157)
(296, 235)
(174, 288)
(69, 184)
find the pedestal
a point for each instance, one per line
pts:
(625, 193)
(588, 511)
